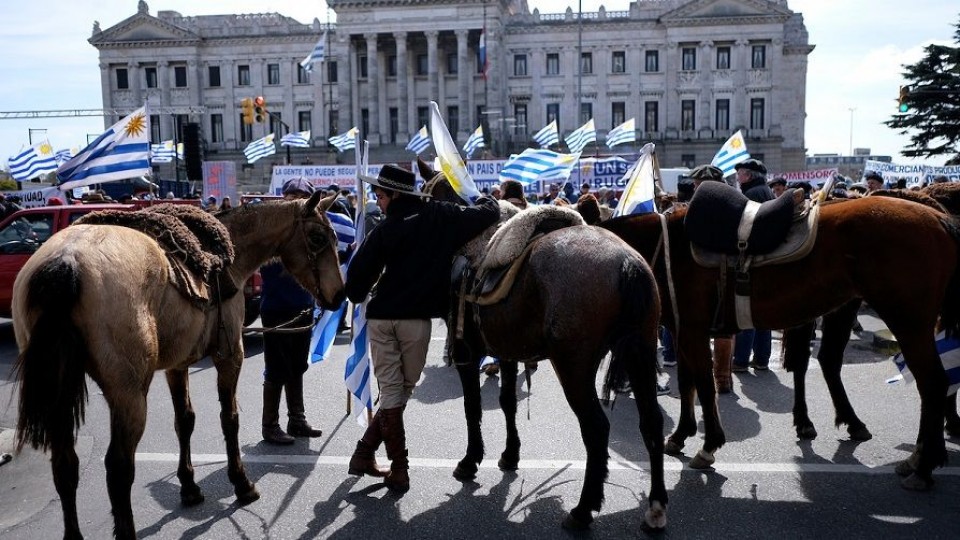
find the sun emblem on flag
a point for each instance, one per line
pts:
(135, 126)
(735, 143)
(45, 149)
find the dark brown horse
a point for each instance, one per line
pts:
(556, 311)
(864, 248)
(97, 300)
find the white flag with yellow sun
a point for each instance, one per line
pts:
(121, 152)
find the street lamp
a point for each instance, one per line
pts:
(851, 109)
(30, 134)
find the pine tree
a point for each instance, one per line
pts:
(932, 118)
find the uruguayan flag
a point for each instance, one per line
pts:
(121, 152)
(63, 156)
(548, 135)
(419, 142)
(298, 139)
(581, 137)
(451, 163)
(475, 141)
(638, 195)
(162, 152)
(732, 152)
(33, 161)
(260, 148)
(316, 55)
(356, 374)
(949, 351)
(343, 226)
(325, 332)
(538, 164)
(624, 133)
(345, 141)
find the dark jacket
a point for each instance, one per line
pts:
(757, 190)
(281, 293)
(413, 250)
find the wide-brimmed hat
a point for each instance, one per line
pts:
(752, 165)
(707, 172)
(396, 179)
(298, 185)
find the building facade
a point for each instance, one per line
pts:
(691, 73)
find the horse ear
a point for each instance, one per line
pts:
(318, 202)
(426, 171)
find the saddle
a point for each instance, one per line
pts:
(730, 232)
(196, 244)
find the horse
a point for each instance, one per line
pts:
(98, 300)
(545, 316)
(864, 248)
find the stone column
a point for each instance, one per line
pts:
(106, 93)
(345, 89)
(373, 89)
(133, 76)
(463, 86)
(704, 66)
(670, 105)
(405, 120)
(432, 76)
(163, 83)
(739, 111)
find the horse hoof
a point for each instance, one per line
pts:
(465, 472)
(191, 498)
(904, 468)
(572, 523)
(860, 434)
(806, 433)
(248, 496)
(508, 464)
(703, 460)
(671, 448)
(952, 429)
(655, 518)
(915, 483)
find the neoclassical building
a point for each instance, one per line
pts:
(691, 72)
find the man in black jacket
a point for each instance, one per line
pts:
(409, 257)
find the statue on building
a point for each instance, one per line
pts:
(143, 8)
(96, 27)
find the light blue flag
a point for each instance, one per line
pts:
(732, 152)
(121, 152)
(325, 332)
(547, 136)
(318, 54)
(298, 139)
(63, 156)
(638, 195)
(260, 148)
(345, 229)
(475, 141)
(419, 142)
(949, 351)
(581, 137)
(356, 374)
(33, 161)
(624, 133)
(345, 141)
(535, 164)
(162, 152)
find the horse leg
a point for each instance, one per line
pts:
(796, 358)
(702, 370)
(66, 477)
(473, 411)
(184, 420)
(952, 424)
(510, 458)
(691, 358)
(228, 373)
(128, 417)
(837, 326)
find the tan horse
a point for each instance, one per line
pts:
(96, 300)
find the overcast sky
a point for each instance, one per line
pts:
(860, 48)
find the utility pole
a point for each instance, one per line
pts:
(851, 109)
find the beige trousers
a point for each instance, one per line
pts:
(399, 350)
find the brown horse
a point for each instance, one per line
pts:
(864, 248)
(96, 300)
(556, 311)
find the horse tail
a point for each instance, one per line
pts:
(633, 355)
(950, 310)
(50, 369)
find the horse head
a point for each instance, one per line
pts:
(437, 185)
(311, 254)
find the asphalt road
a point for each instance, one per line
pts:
(765, 483)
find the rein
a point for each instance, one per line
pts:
(282, 327)
(671, 288)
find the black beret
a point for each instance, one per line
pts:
(778, 181)
(873, 175)
(752, 165)
(707, 172)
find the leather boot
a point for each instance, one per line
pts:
(271, 415)
(297, 424)
(722, 363)
(364, 460)
(395, 439)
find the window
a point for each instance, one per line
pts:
(180, 76)
(688, 113)
(155, 128)
(304, 121)
(723, 57)
(273, 74)
(246, 130)
(586, 112)
(652, 62)
(689, 58)
(520, 65)
(756, 113)
(651, 116)
(688, 160)
(213, 76)
(123, 81)
(150, 73)
(553, 63)
(553, 113)
(452, 66)
(216, 128)
(276, 122)
(243, 75)
(362, 66)
(618, 62)
(333, 122)
(586, 63)
(723, 115)
(331, 72)
(423, 116)
(453, 119)
(391, 65)
(394, 124)
(179, 123)
(24, 235)
(303, 76)
(520, 116)
(364, 122)
(759, 57)
(618, 113)
(422, 67)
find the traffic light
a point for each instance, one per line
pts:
(260, 109)
(902, 100)
(246, 106)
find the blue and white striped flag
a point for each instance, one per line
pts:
(316, 55)
(732, 152)
(63, 156)
(33, 161)
(581, 137)
(298, 139)
(638, 195)
(538, 164)
(419, 142)
(949, 351)
(345, 141)
(475, 141)
(624, 133)
(325, 332)
(356, 373)
(345, 229)
(547, 136)
(162, 152)
(121, 152)
(260, 148)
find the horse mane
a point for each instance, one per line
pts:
(947, 194)
(912, 196)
